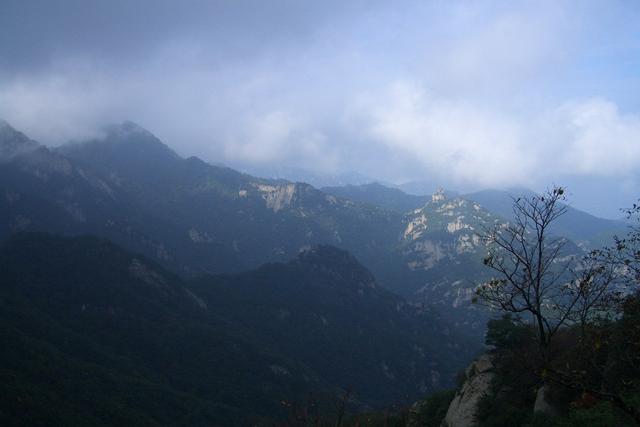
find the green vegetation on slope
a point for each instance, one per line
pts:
(94, 335)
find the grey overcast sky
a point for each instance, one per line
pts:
(474, 94)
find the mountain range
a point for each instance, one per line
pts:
(96, 335)
(274, 286)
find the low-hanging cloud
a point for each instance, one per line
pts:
(475, 144)
(451, 138)
(599, 140)
(474, 94)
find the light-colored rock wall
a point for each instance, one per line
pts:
(463, 407)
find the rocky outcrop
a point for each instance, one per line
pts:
(463, 407)
(277, 196)
(542, 404)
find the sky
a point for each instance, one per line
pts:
(469, 94)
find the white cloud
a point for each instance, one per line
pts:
(597, 138)
(451, 139)
(477, 145)
(495, 52)
(56, 109)
(263, 138)
(463, 90)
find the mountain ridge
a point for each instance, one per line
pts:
(194, 218)
(216, 348)
(13, 142)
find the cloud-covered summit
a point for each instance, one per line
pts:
(474, 93)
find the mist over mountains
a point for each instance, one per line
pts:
(205, 209)
(337, 213)
(221, 294)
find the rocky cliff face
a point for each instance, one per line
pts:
(444, 229)
(462, 409)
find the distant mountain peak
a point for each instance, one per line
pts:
(126, 130)
(13, 142)
(124, 146)
(7, 130)
(454, 216)
(439, 195)
(338, 262)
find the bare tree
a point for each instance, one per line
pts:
(533, 273)
(536, 277)
(591, 289)
(625, 254)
